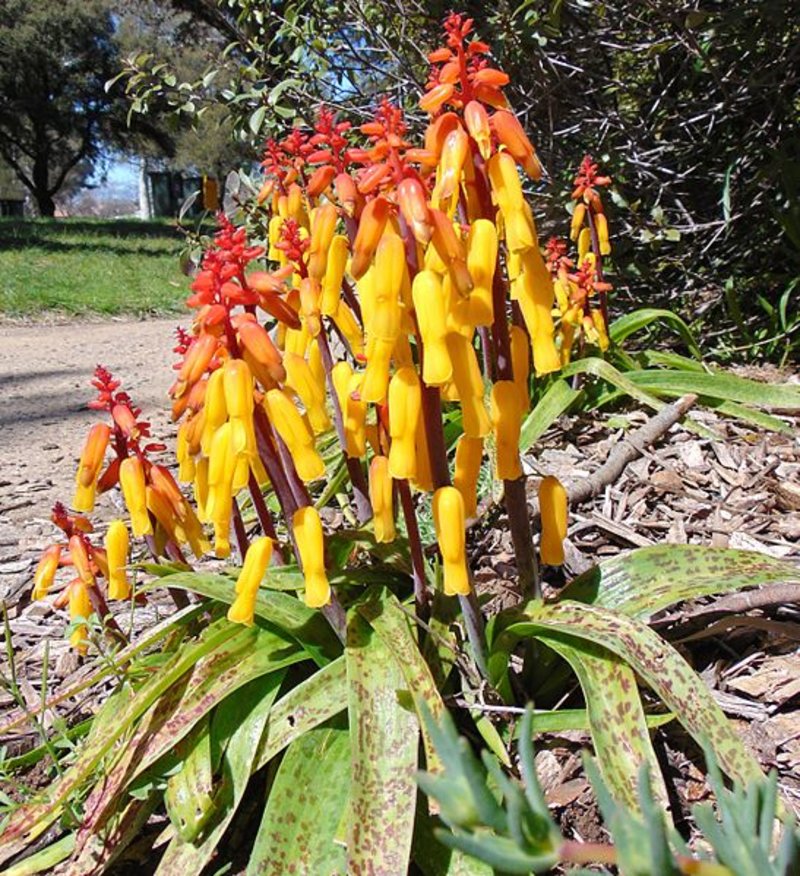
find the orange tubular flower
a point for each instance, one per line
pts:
(450, 250)
(405, 404)
(380, 495)
(469, 452)
(256, 341)
(511, 134)
(448, 520)
(307, 528)
(46, 571)
(451, 163)
(553, 510)
(117, 545)
(370, 230)
(507, 420)
(80, 560)
(197, 359)
(91, 462)
(132, 481)
(413, 203)
(430, 306)
(477, 122)
(255, 565)
(292, 428)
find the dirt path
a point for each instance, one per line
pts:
(44, 387)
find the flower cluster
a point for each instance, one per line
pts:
(395, 282)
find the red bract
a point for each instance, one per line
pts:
(587, 181)
(461, 72)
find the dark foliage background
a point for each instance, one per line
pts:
(692, 108)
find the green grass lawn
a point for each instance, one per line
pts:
(75, 266)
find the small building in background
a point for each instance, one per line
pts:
(13, 195)
(162, 193)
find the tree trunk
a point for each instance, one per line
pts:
(41, 187)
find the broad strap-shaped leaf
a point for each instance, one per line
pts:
(644, 581)
(188, 794)
(635, 321)
(719, 384)
(387, 618)
(306, 805)
(31, 820)
(658, 664)
(384, 738)
(97, 854)
(305, 706)
(45, 860)
(237, 725)
(289, 614)
(559, 396)
(253, 652)
(616, 718)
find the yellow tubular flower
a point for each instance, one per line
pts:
(380, 495)
(322, 230)
(405, 402)
(295, 207)
(553, 510)
(601, 226)
(578, 215)
(338, 254)
(286, 419)
(520, 364)
(481, 262)
(584, 244)
(201, 488)
(310, 294)
(46, 571)
(117, 552)
(274, 233)
(431, 309)
(347, 324)
(469, 452)
(535, 293)
(215, 411)
(469, 384)
(300, 379)
(600, 327)
(221, 465)
(354, 411)
(186, 463)
(238, 389)
(448, 520)
(505, 183)
(255, 565)
(80, 605)
(307, 528)
(94, 451)
(506, 419)
(520, 231)
(423, 479)
(131, 479)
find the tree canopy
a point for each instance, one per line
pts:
(54, 61)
